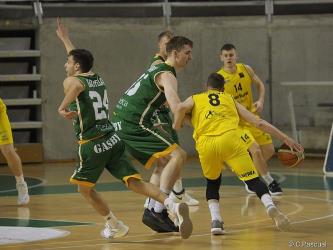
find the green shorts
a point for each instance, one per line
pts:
(95, 155)
(162, 120)
(146, 143)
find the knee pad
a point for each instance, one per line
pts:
(212, 189)
(258, 186)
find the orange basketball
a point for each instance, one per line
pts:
(288, 157)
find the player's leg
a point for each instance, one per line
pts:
(86, 174)
(213, 199)
(12, 158)
(244, 168)
(170, 173)
(180, 210)
(267, 150)
(178, 193)
(114, 228)
(155, 180)
(262, 140)
(211, 164)
(164, 122)
(148, 145)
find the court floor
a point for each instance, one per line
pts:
(59, 218)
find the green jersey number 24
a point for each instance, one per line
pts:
(100, 104)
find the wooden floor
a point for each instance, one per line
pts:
(307, 200)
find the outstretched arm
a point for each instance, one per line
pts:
(267, 127)
(62, 33)
(259, 104)
(182, 109)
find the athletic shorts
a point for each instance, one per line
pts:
(146, 143)
(227, 148)
(162, 120)
(259, 136)
(107, 152)
(6, 136)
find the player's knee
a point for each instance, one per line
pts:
(8, 150)
(183, 154)
(180, 155)
(158, 169)
(161, 163)
(268, 151)
(258, 186)
(134, 184)
(255, 150)
(83, 190)
(212, 189)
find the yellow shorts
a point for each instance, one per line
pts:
(6, 136)
(227, 148)
(256, 134)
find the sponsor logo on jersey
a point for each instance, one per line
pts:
(107, 145)
(247, 174)
(116, 125)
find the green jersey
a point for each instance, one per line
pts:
(157, 57)
(139, 102)
(92, 106)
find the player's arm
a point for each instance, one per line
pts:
(169, 83)
(259, 104)
(72, 88)
(62, 33)
(182, 111)
(267, 127)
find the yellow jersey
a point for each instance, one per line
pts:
(213, 113)
(2, 105)
(239, 85)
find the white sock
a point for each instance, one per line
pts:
(268, 178)
(169, 204)
(178, 187)
(111, 219)
(19, 179)
(158, 207)
(151, 204)
(266, 199)
(214, 208)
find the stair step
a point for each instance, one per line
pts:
(20, 77)
(26, 125)
(23, 101)
(19, 53)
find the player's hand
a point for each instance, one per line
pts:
(69, 115)
(294, 146)
(258, 107)
(62, 31)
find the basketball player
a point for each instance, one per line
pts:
(12, 158)
(239, 79)
(161, 119)
(215, 116)
(86, 103)
(132, 119)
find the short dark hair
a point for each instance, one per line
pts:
(177, 43)
(84, 58)
(216, 81)
(228, 46)
(166, 33)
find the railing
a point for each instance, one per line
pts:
(164, 8)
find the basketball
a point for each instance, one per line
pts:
(288, 157)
